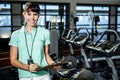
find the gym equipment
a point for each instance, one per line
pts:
(67, 34)
(107, 48)
(72, 62)
(68, 69)
(84, 74)
(74, 72)
(66, 38)
(79, 39)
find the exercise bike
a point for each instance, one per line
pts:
(106, 48)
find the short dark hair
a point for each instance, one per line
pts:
(33, 6)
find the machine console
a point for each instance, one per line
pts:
(107, 45)
(79, 38)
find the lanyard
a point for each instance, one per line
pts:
(30, 54)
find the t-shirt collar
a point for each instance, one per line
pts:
(24, 29)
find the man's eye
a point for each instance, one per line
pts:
(35, 14)
(29, 14)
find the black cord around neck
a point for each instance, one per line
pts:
(30, 54)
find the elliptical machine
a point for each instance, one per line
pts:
(106, 48)
(80, 39)
(71, 71)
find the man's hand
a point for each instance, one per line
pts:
(33, 67)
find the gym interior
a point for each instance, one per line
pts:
(84, 33)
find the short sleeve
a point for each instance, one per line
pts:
(13, 40)
(47, 37)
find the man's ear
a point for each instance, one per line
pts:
(24, 19)
(24, 14)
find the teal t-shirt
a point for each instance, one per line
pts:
(42, 38)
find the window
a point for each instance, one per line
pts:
(52, 13)
(118, 19)
(82, 14)
(5, 20)
(103, 13)
(100, 14)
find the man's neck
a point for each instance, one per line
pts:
(30, 28)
